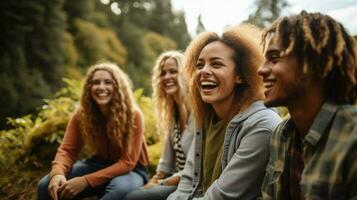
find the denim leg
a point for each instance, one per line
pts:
(80, 168)
(158, 192)
(42, 192)
(120, 186)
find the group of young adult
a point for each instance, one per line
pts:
(224, 139)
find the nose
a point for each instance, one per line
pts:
(205, 70)
(167, 75)
(263, 70)
(101, 85)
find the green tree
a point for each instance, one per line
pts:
(94, 44)
(32, 55)
(266, 12)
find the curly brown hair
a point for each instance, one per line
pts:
(244, 39)
(119, 126)
(323, 48)
(165, 105)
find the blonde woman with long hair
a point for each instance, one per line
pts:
(233, 127)
(172, 110)
(112, 126)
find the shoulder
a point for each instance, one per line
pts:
(76, 115)
(347, 114)
(138, 114)
(344, 124)
(263, 117)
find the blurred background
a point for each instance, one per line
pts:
(46, 46)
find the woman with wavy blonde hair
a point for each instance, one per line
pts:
(233, 127)
(111, 125)
(172, 110)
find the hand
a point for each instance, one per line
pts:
(72, 187)
(173, 180)
(151, 183)
(55, 183)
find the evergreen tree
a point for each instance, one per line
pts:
(32, 54)
(200, 27)
(266, 12)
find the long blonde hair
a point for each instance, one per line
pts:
(120, 125)
(164, 104)
(245, 41)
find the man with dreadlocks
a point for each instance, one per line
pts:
(310, 67)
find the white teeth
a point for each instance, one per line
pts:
(206, 83)
(103, 94)
(268, 84)
(170, 84)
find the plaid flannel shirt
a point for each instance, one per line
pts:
(330, 156)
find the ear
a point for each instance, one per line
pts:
(238, 80)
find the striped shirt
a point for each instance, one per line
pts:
(177, 146)
(329, 152)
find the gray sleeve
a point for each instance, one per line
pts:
(184, 189)
(243, 175)
(167, 160)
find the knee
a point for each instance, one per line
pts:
(135, 195)
(42, 188)
(117, 192)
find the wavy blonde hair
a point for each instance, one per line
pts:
(120, 125)
(165, 106)
(244, 39)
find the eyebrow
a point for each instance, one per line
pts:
(212, 59)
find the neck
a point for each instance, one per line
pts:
(225, 108)
(304, 110)
(104, 110)
(176, 98)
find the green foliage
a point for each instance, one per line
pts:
(32, 54)
(94, 44)
(146, 106)
(48, 125)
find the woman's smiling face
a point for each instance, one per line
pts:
(102, 89)
(216, 75)
(169, 77)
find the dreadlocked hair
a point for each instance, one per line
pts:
(324, 49)
(165, 106)
(119, 126)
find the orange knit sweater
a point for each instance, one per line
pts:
(73, 142)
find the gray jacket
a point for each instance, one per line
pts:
(245, 155)
(167, 161)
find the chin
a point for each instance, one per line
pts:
(171, 92)
(268, 102)
(207, 100)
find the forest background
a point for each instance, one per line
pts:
(46, 48)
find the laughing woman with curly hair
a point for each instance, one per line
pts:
(111, 125)
(231, 144)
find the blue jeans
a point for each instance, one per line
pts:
(116, 188)
(158, 192)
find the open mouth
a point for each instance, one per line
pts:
(268, 84)
(170, 84)
(208, 85)
(103, 94)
